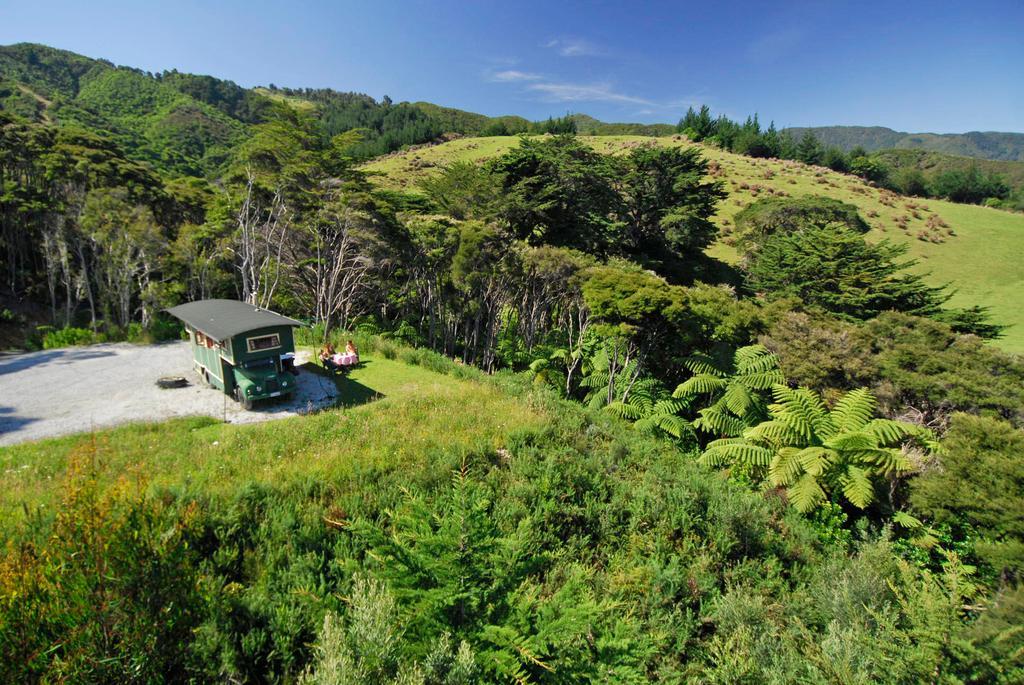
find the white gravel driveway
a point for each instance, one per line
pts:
(77, 389)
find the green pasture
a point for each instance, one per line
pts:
(979, 251)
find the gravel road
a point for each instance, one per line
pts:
(76, 389)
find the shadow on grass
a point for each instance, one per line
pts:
(351, 393)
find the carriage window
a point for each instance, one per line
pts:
(263, 342)
(199, 338)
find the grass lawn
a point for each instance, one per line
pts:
(392, 415)
(979, 253)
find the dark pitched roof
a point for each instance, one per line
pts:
(223, 319)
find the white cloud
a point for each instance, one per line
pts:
(514, 75)
(695, 101)
(579, 92)
(572, 47)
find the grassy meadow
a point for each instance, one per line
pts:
(976, 249)
(392, 414)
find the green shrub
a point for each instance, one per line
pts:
(978, 489)
(369, 647)
(769, 216)
(111, 594)
(70, 336)
(572, 550)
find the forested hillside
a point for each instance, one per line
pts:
(978, 144)
(638, 409)
(913, 171)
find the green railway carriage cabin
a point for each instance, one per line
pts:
(239, 348)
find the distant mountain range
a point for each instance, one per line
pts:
(979, 144)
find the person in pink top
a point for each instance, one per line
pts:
(349, 358)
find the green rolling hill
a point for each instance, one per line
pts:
(976, 249)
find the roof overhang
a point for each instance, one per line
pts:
(224, 319)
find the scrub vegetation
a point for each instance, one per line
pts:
(467, 528)
(631, 408)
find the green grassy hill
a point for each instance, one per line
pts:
(977, 249)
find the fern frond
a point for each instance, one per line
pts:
(701, 384)
(648, 424)
(854, 410)
(749, 354)
(714, 420)
(726, 441)
(854, 441)
(802, 409)
(888, 461)
(889, 432)
(669, 406)
(905, 520)
(758, 364)
(625, 410)
(776, 432)
(785, 467)
(806, 493)
(814, 460)
(561, 354)
(761, 380)
(744, 453)
(737, 399)
(641, 400)
(679, 427)
(702, 364)
(857, 487)
(676, 426)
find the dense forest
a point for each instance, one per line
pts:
(802, 467)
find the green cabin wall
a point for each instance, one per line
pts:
(220, 359)
(239, 351)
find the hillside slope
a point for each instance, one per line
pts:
(544, 542)
(153, 120)
(979, 144)
(931, 164)
(974, 248)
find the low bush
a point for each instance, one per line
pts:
(68, 336)
(111, 593)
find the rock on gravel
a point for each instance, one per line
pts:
(78, 389)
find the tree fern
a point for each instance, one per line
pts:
(649, 406)
(817, 453)
(734, 392)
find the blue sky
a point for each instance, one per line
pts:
(914, 66)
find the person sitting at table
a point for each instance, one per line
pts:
(327, 354)
(349, 358)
